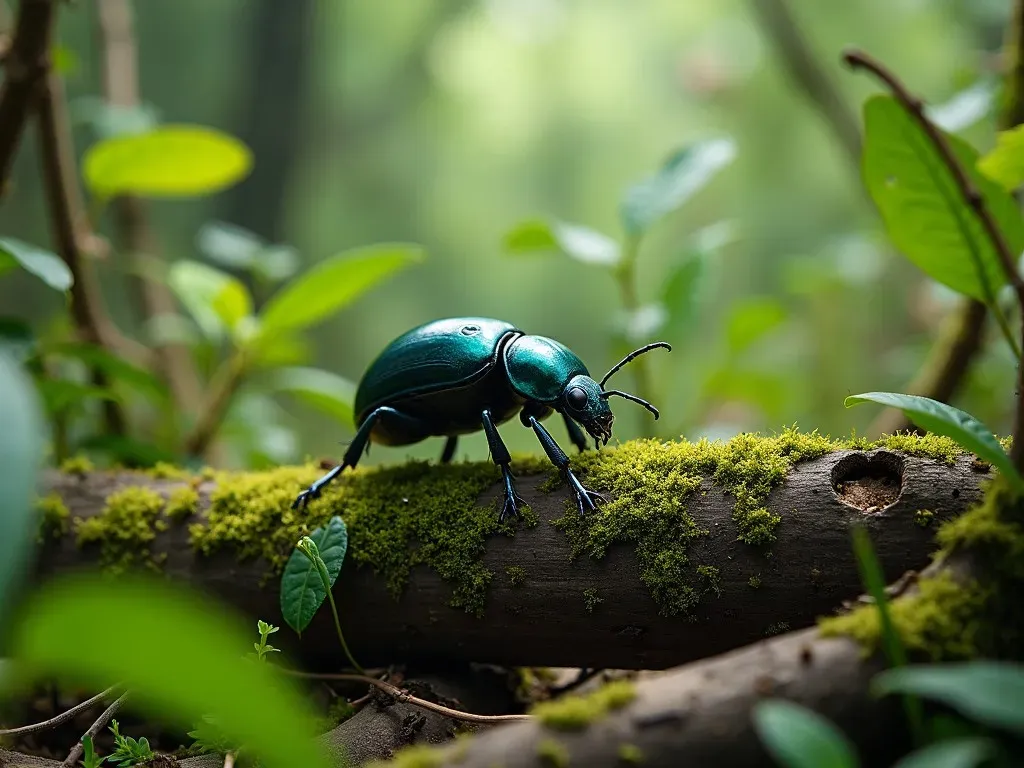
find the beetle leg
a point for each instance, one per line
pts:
(355, 450)
(575, 433)
(501, 457)
(449, 449)
(584, 498)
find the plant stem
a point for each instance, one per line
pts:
(334, 611)
(915, 107)
(94, 729)
(60, 719)
(401, 695)
(625, 276)
(223, 385)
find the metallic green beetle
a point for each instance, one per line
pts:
(455, 376)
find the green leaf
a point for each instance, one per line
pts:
(167, 161)
(16, 338)
(216, 300)
(685, 172)
(139, 379)
(987, 692)
(302, 591)
(332, 284)
(681, 291)
(48, 267)
(332, 394)
(21, 456)
(946, 420)
(177, 676)
(924, 212)
(573, 240)
(751, 320)
(965, 108)
(800, 738)
(961, 753)
(60, 395)
(1005, 162)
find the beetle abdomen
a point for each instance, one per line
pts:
(440, 355)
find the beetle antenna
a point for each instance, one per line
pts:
(609, 392)
(632, 356)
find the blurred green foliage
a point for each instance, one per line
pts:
(448, 123)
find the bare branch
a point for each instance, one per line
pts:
(94, 729)
(60, 719)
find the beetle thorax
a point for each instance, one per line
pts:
(538, 368)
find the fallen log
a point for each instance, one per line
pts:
(707, 548)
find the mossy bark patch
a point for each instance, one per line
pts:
(125, 529)
(954, 616)
(576, 712)
(55, 517)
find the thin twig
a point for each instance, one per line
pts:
(225, 382)
(860, 60)
(915, 107)
(404, 696)
(807, 71)
(60, 719)
(584, 675)
(25, 66)
(94, 729)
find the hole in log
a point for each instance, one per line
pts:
(869, 484)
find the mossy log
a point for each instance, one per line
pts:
(702, 549)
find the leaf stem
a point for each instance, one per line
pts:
(625, 277)
(224, 383)
(915, 107)
(334, 612)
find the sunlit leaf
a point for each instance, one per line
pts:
(943, 419)
(965, 108)
(48, 267)
(21, 456)
(685, 173)
(924, 212)
(680, 292)
(280, 350)
(302, 591)
(987, 692)
(178, 676)
(167, 161)
(958, 753)
(216, 300)
(321, 389)
(751, 320)
(333, 283)
(1005, 162)
(573, 240)
(798, 737)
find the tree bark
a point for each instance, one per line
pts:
(545, 621)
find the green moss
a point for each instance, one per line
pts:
(952, 618)
(397, 518)
(710, 575)
(591, 599)
(165, 471)
(182, 503)
(754, 582)
(776, 628)
(125, 527)
(424, 513)
(630, 754)
(573, 713)
(77, 465)
(552, 753)
(924, 517)
(516, 574)
(55, 517)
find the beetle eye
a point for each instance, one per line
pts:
(576, 397)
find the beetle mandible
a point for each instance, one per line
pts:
(455, 376)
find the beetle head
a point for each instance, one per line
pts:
(586, 400)
(582, 399)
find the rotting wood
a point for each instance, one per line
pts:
(544, 621)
